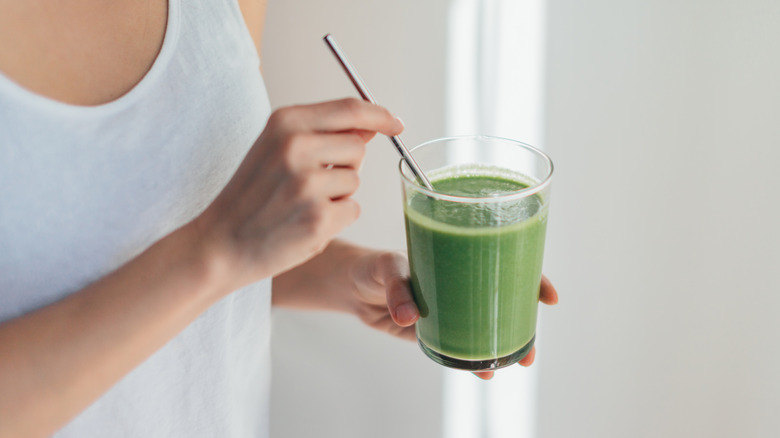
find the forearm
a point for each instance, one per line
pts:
(283, 204)
(57, 360)
(325, 282)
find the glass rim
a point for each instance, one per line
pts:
(511, 196)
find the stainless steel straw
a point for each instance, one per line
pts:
(363, 90)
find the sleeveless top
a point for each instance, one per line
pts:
(83, 189)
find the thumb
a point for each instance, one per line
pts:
(392, 270)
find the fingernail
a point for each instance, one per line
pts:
(406, 313)
(401, 122)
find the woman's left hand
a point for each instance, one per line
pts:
(384, 298)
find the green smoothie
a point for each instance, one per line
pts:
(476, 267)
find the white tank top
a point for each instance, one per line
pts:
(85, 189)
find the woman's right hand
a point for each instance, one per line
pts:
(288, 198)
(292, 193)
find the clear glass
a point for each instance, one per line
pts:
(475, 248)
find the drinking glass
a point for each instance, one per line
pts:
(475, 247)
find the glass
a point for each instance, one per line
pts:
(475, 248)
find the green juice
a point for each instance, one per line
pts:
(476, 268)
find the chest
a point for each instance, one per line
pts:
(83, 52)
(88, 52)
(85, 188)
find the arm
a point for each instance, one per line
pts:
(373, 285)
(57, 360)
(281, 208)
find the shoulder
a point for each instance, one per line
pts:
(253, 12)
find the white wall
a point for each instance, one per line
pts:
(333, 377)
(663, 121)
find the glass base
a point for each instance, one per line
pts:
(478, 365)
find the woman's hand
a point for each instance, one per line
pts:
(382, 294)
(291, 194)
(384, 297)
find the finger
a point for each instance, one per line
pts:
(350, 114)
(366, 136)
(484, 375)
(400, 302)
(407, 333)
(342, 150)
(529, 358)
(338, 182)
(547, 293)
(376, 316)
(343, 212)
(392, 270)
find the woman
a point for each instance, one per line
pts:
(149, 201)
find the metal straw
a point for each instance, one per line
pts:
(366, 95)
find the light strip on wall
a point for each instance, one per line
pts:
(495, 67)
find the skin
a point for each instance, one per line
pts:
(276, 218)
